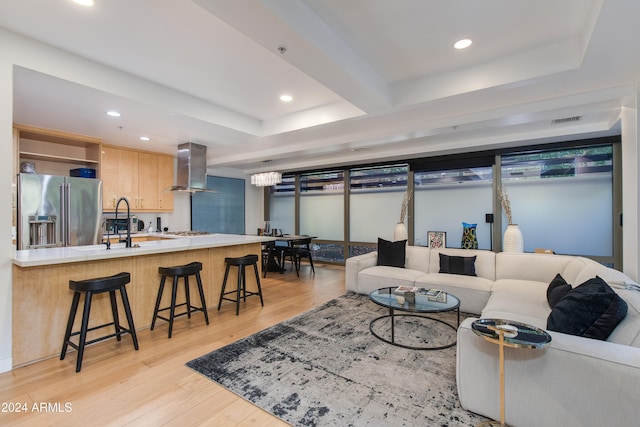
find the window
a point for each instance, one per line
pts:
(375, 201)
(563, 199)
(445, 199)
(282, 212)
(322, 212)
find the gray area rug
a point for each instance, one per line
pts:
(324, 367)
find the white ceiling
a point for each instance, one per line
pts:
(371, 79)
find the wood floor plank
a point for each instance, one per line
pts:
(152, 386)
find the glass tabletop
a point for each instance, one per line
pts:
(516, 334)
(424, 302)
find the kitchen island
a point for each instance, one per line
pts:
(41, 295)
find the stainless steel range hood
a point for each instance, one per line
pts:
(192, 169)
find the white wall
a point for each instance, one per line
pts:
(630, 196)
(6, 203)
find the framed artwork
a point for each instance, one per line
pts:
(437, 239)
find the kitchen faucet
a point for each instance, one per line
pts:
(127, 242)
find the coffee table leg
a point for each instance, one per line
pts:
(393, 329)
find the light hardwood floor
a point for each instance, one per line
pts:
(152, 386)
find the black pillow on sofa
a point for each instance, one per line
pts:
(391, 254)
(591, 310)
(557, 289)
(458, 265)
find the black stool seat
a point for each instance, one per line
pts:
(241, 263)
(176, 272)
(181, 270)
(243, 260)
(90, 287)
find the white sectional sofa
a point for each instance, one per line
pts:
(575, 381)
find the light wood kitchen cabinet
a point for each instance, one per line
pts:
(148, 197)
(119, 177)
(165, 180)
(140, 176)
(55, 152)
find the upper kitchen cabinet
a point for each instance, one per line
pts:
(140, 176)
(165, 180)
(55, 152)
(119, 177)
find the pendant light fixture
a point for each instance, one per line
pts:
(266, 179)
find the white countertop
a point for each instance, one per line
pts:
(49, 256)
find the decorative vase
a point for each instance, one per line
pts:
(513, 240)
(400, 232)
(469, 236)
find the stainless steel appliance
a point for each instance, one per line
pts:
(192, 169)
(189, 233)
(112, 226)
(58, 211)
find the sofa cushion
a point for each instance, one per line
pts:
(376, 277)
(392, 254)
(592, 269)
(485, 260)
(557, 289)
(418, 258)
(458, 265)
(591, 310)
(531, 266)
(472, 291)
(519, 300)
(628, 331)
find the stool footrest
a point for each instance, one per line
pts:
(242, 296)
(106, 337)
(193, 310)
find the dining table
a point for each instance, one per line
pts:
(276, 253)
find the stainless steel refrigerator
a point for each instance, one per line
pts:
(58, 211)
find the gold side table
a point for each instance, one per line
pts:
(507, 333)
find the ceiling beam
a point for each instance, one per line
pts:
(310, 45)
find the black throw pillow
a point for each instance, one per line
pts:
(591, 310)
(458, 265)
(392, 254)
(557, 289)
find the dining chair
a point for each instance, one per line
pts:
(300, 249)
(272, 258)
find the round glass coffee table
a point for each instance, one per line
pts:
(423, 303)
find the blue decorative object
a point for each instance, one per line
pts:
(469, 238)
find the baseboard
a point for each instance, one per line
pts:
(6, 365)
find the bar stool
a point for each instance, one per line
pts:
(89, 288)
(176, 272)
(241, 263)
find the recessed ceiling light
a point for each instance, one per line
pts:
(463, 44)
(144, 138)
(286, 98)
(84, 2)
(113, 113)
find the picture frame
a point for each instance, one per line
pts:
(436, 239)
